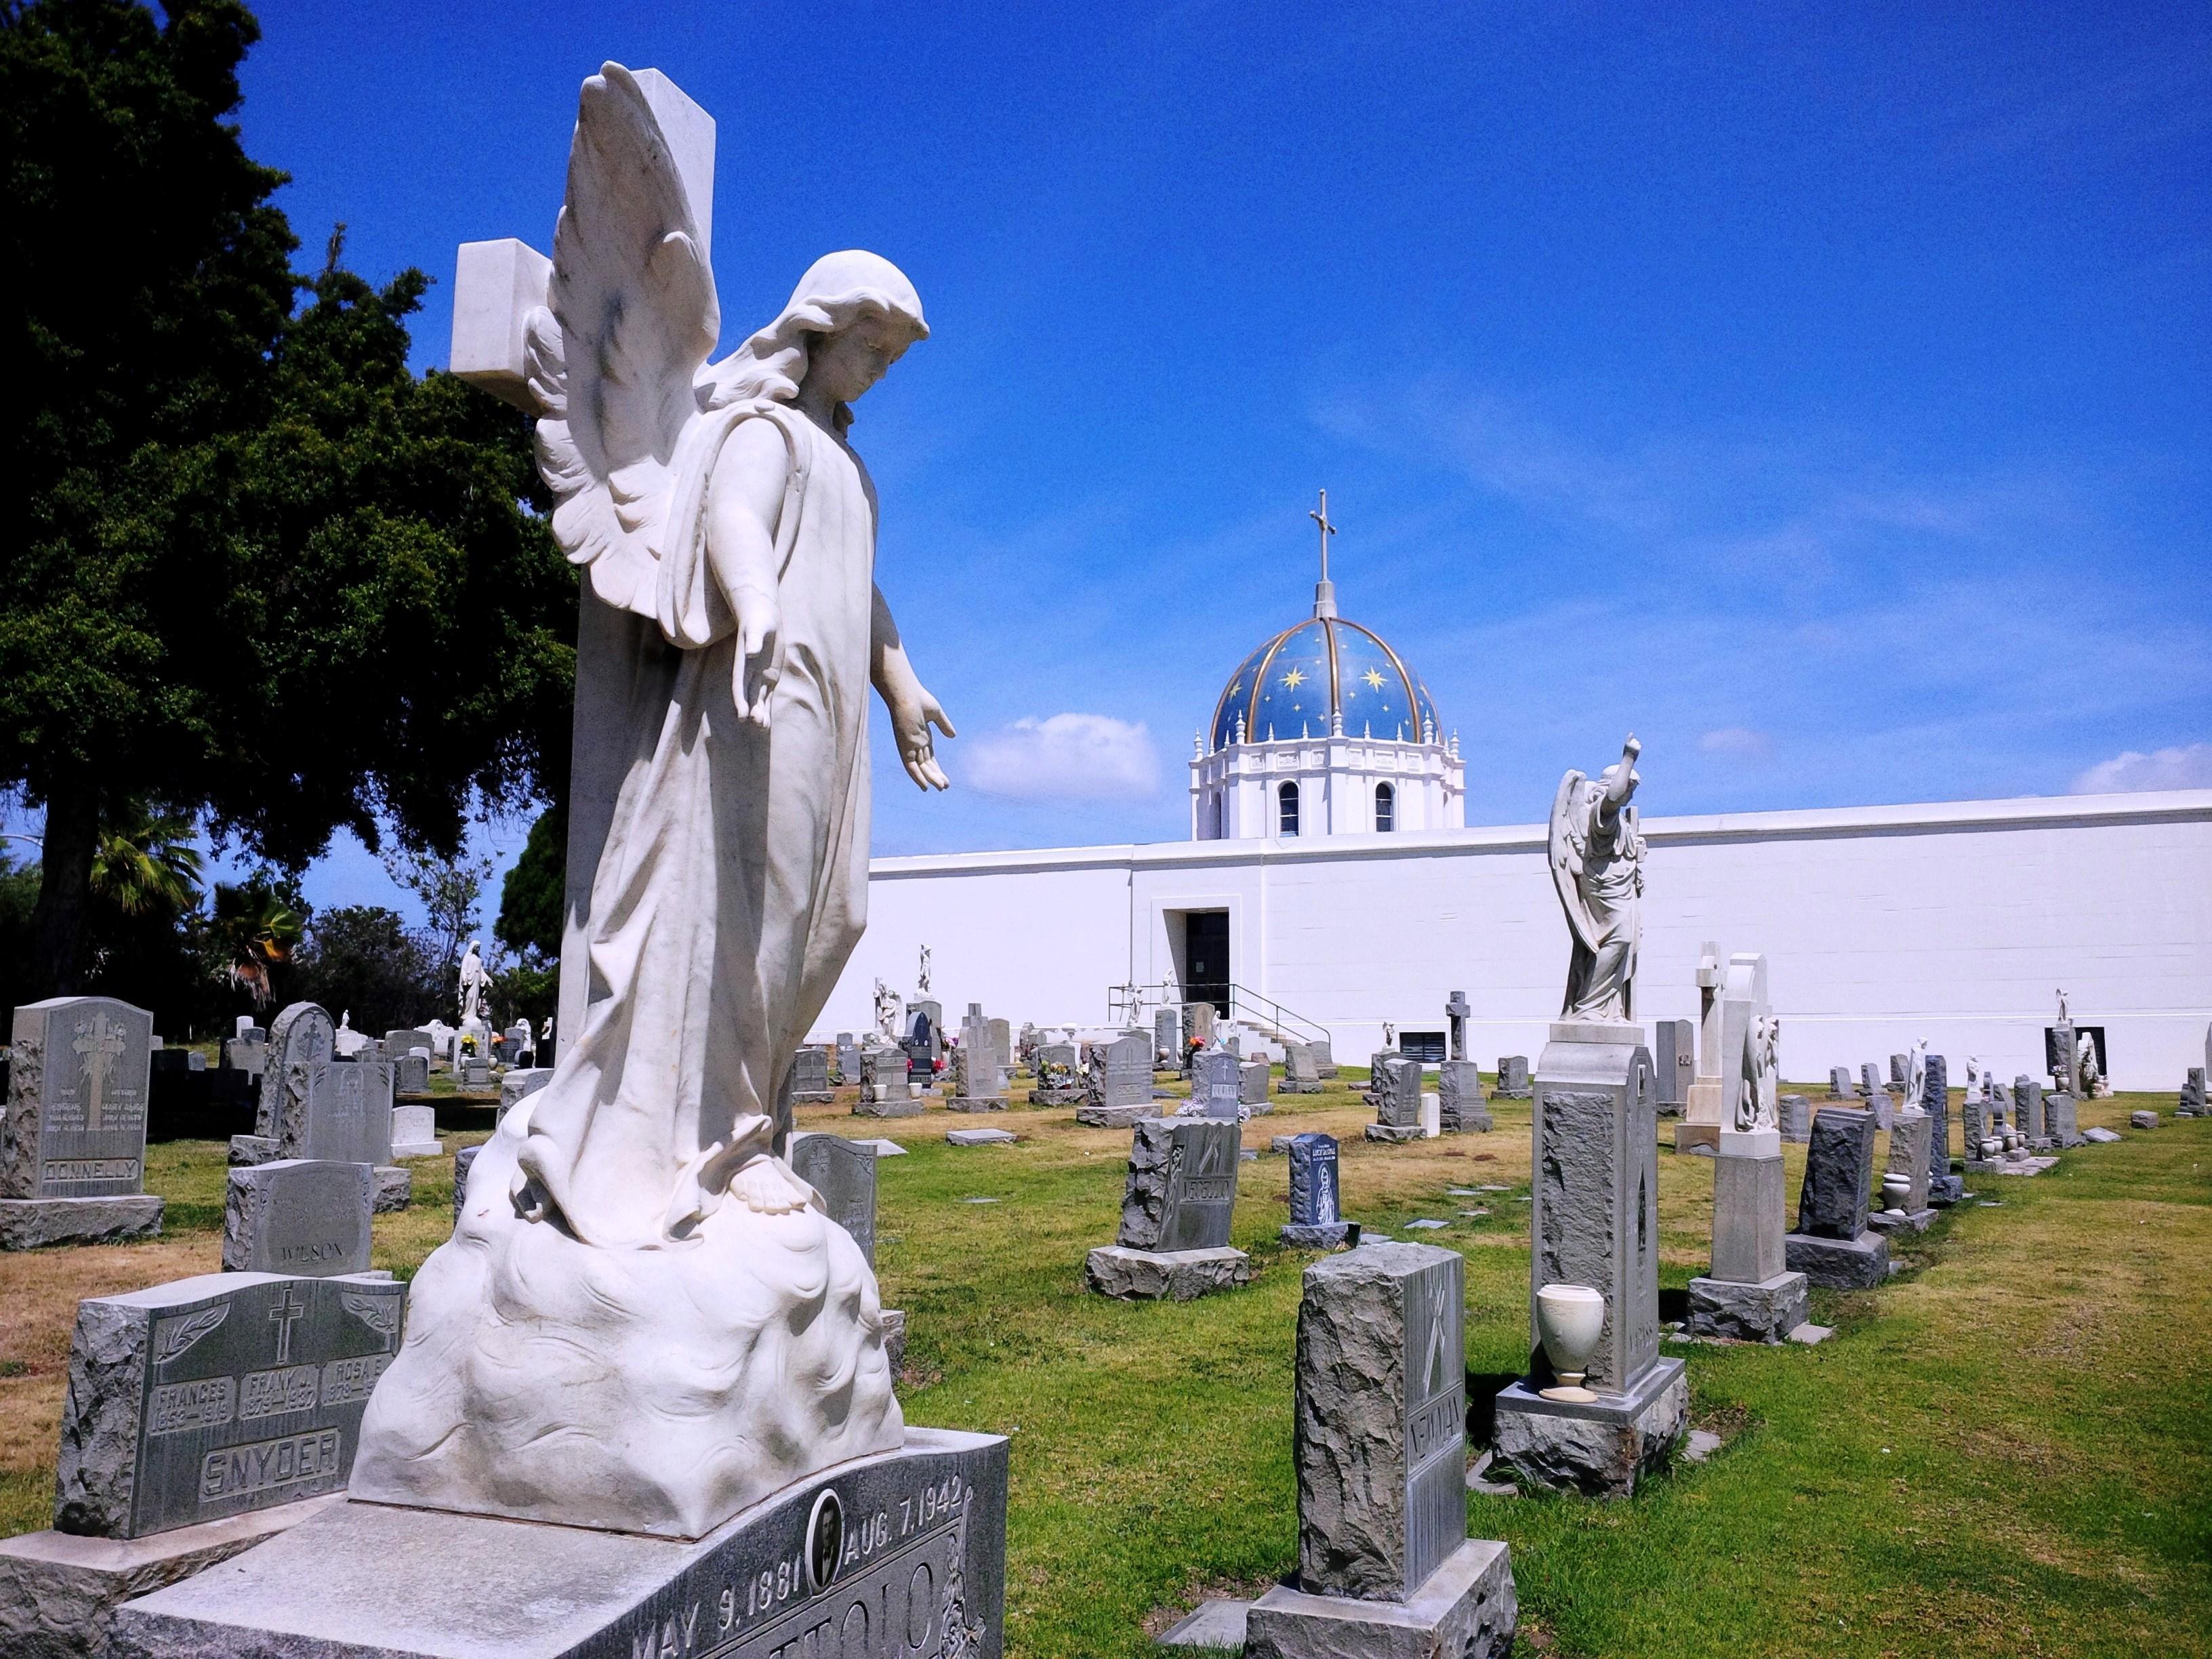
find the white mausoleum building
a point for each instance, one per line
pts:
(1329, 874)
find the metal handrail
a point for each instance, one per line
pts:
(1138, 999)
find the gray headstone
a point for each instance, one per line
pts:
(1884, 1109)
(302, 1216)
(977, 1075)
(2192, 1092)
(78, 1072)
(1908, 1156)
(1513, 1076)
(2027, 1107)
(1796, 1113)
(844, 1173)
(1299, 1065)
(1197, 1024)
(1324, 1056)
(1673, 1060)
(1315, 1200)
(1120, 1073)
(1840, 1086)
(1459, 1104)
(1393, 1090)
(249, 1054)
(1059, 1067)
(1252, 1083)
(2058, 1116)
(463, 1161)
(1182, 1188)
(884, 1075)
(302, 1039)
(518, 1086)
(2060, 1050)
(1897, 1064)
(810, 1073)
(1869, 1078)
(1935, 1101)
(213, 1396)
(1216, 1083)
(1002, 1042)
(414, 1036)
(348, 1116)
(1167, 1036)
(1380, 1441)
(1838, 1172)
(410, 1075)
(848, 1058)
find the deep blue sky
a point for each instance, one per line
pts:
(1821, 391)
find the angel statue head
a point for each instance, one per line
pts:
(851, 316)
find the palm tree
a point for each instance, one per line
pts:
(257, 930)
(145, 862)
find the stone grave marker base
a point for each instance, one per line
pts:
(1322, 1236)
(1396, 1133)
(1601, 1449)
(1112, 1117)
(2009, 1166)
(812, 1096)
(1290, 1085)
(1915, 1221)
(1132, 1275)
(976, 1104)
(58, 1592)
(921, 1547)
(26, 1223)
(1839, 1264)
(1698, 1139)
(394, 1189)
(1465, 1608)
(889, 1106)
(1057, 1096)
(1945, 1190)
(1765, 1312)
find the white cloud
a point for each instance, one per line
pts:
(2167, 768)
(1065, 757)
(1738, 740)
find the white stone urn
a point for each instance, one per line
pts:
(1569, 1318)
(1896, 1187)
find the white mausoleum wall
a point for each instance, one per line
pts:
(1954, 921)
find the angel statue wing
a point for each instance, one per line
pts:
(613, 358)
(1570, 843)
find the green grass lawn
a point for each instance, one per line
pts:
(2005, 1451)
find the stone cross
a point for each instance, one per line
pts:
(1458, 1011)
(286, 1310)
(99, 1039)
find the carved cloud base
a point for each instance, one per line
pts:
(645, 1390)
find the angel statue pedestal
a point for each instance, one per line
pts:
(1594, 1218)
(643, 1402)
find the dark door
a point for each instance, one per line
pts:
(1205, 974)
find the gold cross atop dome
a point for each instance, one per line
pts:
(1325, 590)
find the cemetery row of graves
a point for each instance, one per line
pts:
(1957, 1407)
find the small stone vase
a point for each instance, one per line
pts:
(1895, 1189)
(1569, 1318)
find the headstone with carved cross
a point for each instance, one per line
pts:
(209, 1397)
(73, 1142)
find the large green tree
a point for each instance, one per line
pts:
(263, 575)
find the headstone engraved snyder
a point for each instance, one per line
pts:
(844, 1173)
(917, 1569)
(76, 1124)
(211, 1396)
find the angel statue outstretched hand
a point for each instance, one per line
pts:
(1597, 864)
(721, 508)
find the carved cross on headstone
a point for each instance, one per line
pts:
(287, 1308)
(98, 1040)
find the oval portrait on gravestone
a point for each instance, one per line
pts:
(825, 1539)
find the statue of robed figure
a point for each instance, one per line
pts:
(644, 1319)
(1596, 855)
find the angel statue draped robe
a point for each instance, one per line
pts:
(644, 1320)
(1597, 864)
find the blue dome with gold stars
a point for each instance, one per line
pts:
(1295, 683)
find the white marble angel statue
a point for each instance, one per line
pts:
(922, 975)
(2092, 1080)
(1597, 864)
(645, 1320)
(1915, 1076)
(473, 983)
(1758, 1101)
(887, 1007)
